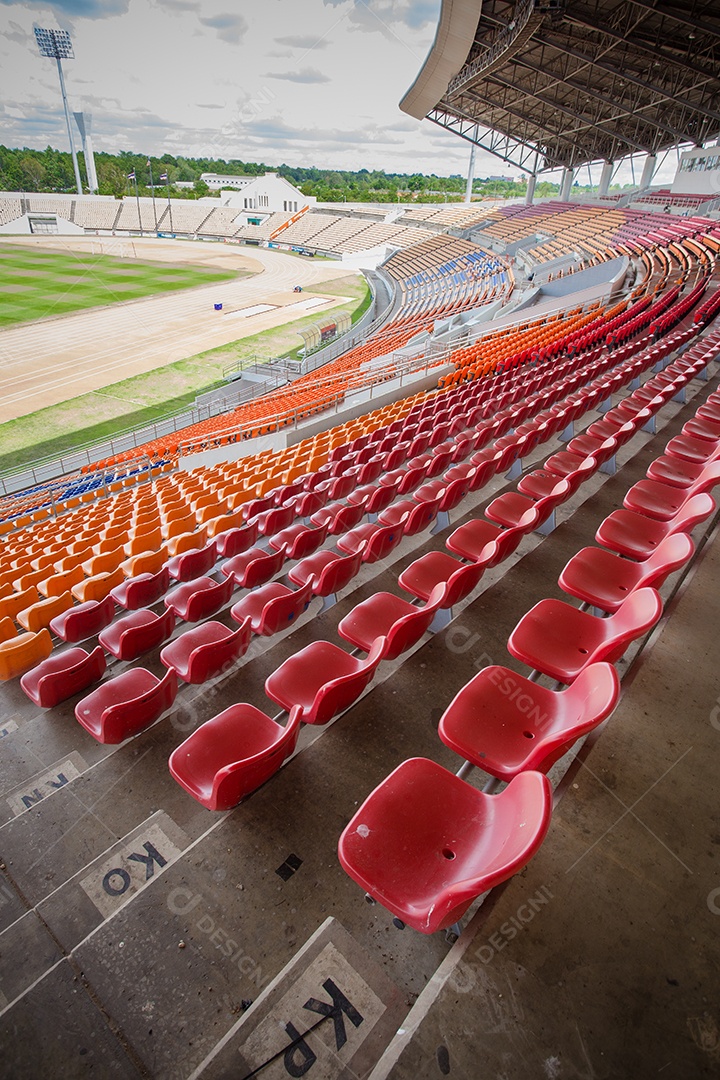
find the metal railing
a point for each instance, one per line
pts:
(364, 382)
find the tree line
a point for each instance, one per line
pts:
(50, 170)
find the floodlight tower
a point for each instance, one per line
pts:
(57, 45)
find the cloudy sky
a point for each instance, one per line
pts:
(305, 82)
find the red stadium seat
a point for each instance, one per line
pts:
(327, 572)
(375, 541)
(84, 620)
(206, 651)
(231, 755)
(141, 591)
(560, 640)
(192, 564)
(663, 501)
(126, 705)
(504, 724)
(468, 540)
(199, 599)
(137, 633)
(299, 541)
(425, 843)
(235, 541)
(605, 580)
(384, 614)
(62, 675)
(323, 679)
(254, 567)
(339, 517)
(636, 536)
(272, 607)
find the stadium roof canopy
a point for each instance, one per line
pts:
(550, 83)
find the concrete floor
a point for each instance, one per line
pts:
(121, 966)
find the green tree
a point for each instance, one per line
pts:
(111, 179)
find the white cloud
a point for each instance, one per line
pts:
(303, 41)
(230, 28)
(306, 75)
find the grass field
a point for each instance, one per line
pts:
(36, 284)
(138, 401)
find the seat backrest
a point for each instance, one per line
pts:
(584, 470)
(454, 493)
(222, 523)
(281, 611)
(257, 506)
(147, 562)
(421, 516)
(58, 583)
(347, 517)
(544, 507)
(692, 512)
(41, 613)
(461, 583)
(237, 779)
(708, 479)
(342, 486)
(261, 569)
(338, 694)
(235, 541)
(380, 498)
(634, 617)
(370, 470)
(208, 598)
(210, 658)
(192, 564)
(484, 471)
(141, 632)
(85, 620)
(520, 821)
(336, 575)
(125, 718)
(276, 519)
(672, 553)
(58, 678)
(307, 541)
(508, 539)
(143, 590)
(17, 601)
(408, 629)
(583, 705)
(382, 542)
(19, 654)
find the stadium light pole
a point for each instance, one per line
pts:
(152, 189)
(57, 45)
(164, 176)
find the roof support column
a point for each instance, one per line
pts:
(567, 179)
(471, 172)
(530, 193)
(605, 177)
(648, 170)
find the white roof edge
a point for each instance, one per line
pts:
(453, 40)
